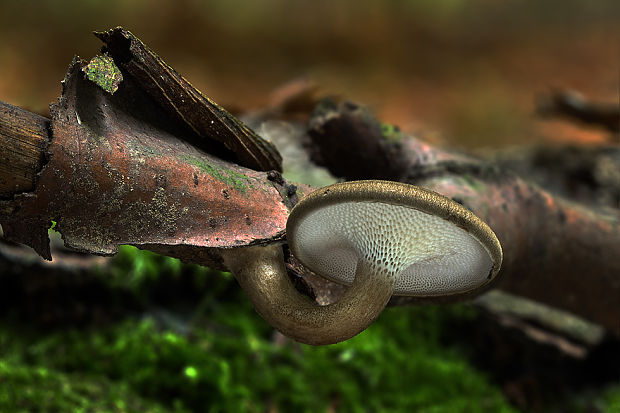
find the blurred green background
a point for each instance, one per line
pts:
(147, 333)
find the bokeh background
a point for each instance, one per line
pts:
(142, 332)
(466, 71)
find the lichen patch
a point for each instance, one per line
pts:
(102, 71)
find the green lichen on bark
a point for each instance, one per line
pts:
(391, 132)
(102, 71)
(234, 179)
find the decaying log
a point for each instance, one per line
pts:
(555, 251)
(117, 175)
(382, 151)
(589, 175)
(122, 170)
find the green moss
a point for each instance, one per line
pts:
(234, 179)
(102, 71)
(471, 181)
(612, 399)
(391, 132)
(222, 357)
(215, 354)
(234, 366)
(131, 262)
(28, 388)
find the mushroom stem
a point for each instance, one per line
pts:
(261, 273)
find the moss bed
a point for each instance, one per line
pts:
(192, 342)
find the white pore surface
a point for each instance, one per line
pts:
(427, 254)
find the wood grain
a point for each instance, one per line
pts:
(23, 139)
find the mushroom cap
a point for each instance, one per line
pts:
(433, 246)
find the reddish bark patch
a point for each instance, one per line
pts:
(118, 175)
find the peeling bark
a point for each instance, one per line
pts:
(206, 119)
(117, 175)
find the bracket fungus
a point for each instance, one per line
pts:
(379, 237)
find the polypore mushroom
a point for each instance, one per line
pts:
(380, 237)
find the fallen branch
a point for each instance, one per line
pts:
(118, 173)
(555, 251)
(573, 106)
(587, 174)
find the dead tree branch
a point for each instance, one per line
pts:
(555, 251)
(573, 106)
(116, 175)
(118, 172)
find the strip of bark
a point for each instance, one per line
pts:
(117, 175)
(206, 119)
